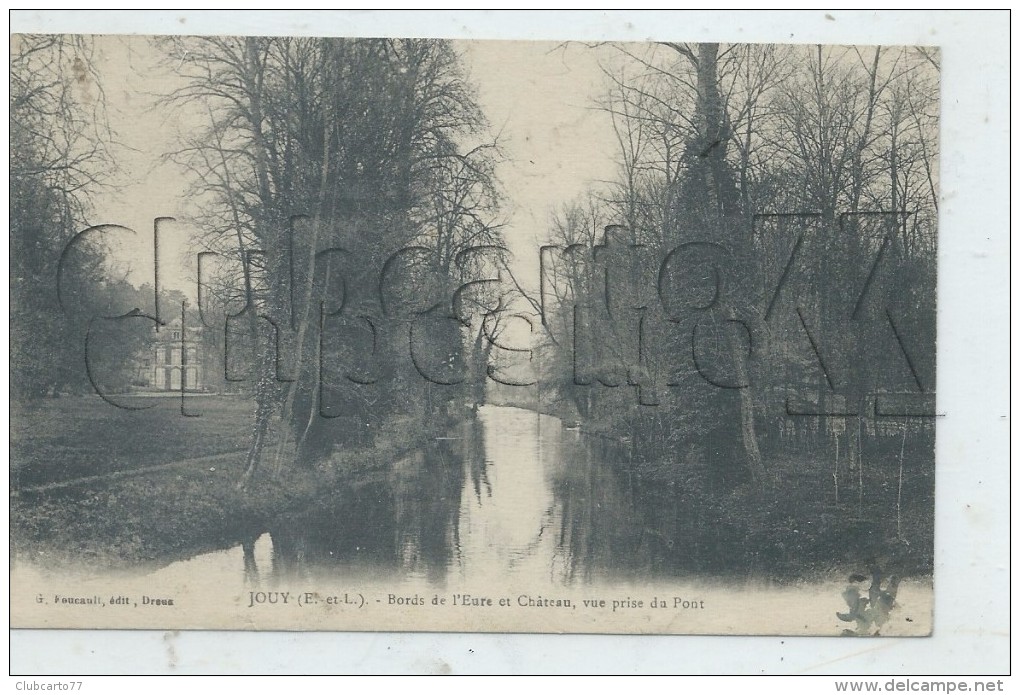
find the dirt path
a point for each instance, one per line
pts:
(133, 472)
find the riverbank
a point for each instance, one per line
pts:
(823, 503)
(162, 498)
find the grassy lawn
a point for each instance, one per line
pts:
(163, 515)
(75, 437)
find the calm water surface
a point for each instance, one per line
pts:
(507, 495)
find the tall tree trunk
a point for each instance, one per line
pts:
(713, 138)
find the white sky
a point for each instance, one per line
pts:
(542, 96)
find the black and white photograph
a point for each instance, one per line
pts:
(421, 334)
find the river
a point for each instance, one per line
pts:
(509, 495)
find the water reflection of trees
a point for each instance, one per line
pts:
(403, 520)
(615, 522)
(428, 504)
(596, 520)
(477, 462)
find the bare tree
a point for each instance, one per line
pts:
(359, 139)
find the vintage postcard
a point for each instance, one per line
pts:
(473, 336)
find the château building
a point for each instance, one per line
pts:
(172, 358)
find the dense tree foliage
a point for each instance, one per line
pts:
(60, 156)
